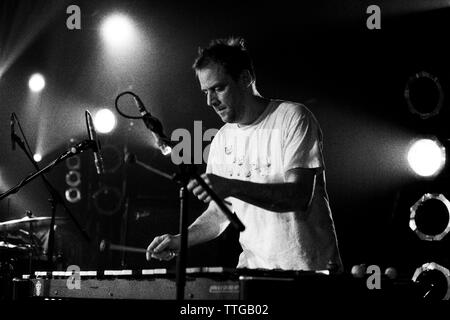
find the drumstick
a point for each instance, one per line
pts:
(106, 245)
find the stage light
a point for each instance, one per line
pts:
(117, 30)
(433, 280)
(37, 157)
(36, 82)
(104, 121)
(73, 195)
(430, 217)
(73, 178)
(426, 157)
(424, 95)
(73, 163)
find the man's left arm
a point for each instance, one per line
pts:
(293, 195)
(302, 158)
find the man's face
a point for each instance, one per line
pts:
(223, 93)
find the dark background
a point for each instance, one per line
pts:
(321, 54)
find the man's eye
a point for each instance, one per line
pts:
(218, 89)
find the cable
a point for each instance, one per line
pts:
(117, 107)
(22, 133)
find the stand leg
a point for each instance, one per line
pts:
(30, 253)
(182, 255)
(51, 237)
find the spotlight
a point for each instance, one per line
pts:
(434, 281)
(36, 82)
(73, 195)
(73, 178)
(424, 95)
(430, 217)
(117, 30)
(37, 157)
(104, 121)
(73, 163)
(426, 157)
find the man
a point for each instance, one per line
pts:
(267, 163)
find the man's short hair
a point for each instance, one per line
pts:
(230, 53)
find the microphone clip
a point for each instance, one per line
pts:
(153, 124)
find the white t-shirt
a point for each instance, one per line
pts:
(285, 136)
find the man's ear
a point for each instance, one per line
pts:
(246, 79)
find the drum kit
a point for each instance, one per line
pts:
(24, 239)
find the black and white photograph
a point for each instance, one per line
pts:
(224, 159)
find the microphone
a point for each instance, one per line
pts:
(13, 140)
(155, 126)
(98, 161)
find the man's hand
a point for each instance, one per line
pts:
(221, 186)
(164, 247)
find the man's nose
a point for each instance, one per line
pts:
(212, 100)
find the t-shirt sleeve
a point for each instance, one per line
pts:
(302, 143)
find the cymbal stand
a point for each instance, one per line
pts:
(32, 242)
(56, 198)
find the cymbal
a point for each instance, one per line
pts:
(26, 222)
(12, 247)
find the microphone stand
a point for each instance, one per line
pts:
(124, 224)
(55, 197)
(186, 173)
